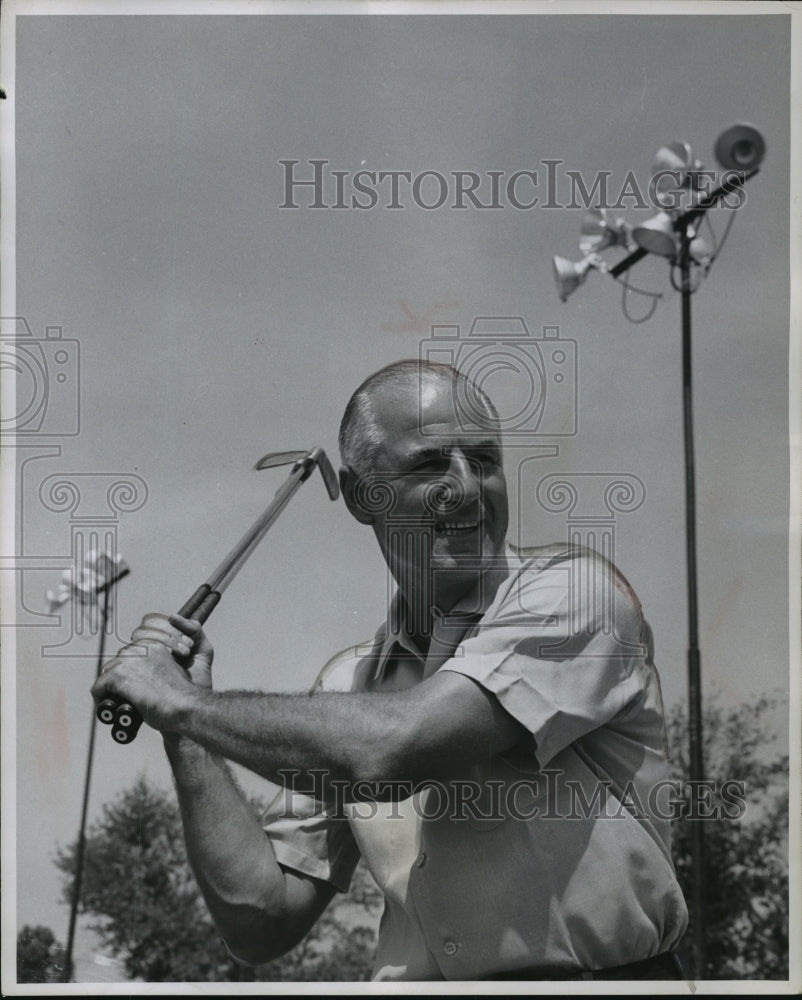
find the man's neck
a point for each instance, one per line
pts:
(422, 606)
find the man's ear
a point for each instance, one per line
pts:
(349, 483)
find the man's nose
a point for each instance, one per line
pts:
(463, 478)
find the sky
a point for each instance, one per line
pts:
(203, 324)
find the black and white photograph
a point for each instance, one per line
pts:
(400, 569)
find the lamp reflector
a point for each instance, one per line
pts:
(740, 147)
(594, 222)
(596, 234)
(569, 275)
(656, 235)
(599, 232)
(674, 167)
(700, 251)
(676, 156)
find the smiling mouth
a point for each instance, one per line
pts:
(456, 527)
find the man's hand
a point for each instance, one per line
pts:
(187, 641)
(158, 669)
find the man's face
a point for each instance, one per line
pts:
(448, 516)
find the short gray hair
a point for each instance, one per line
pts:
(360, 436)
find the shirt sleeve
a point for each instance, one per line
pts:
(306, 837)
(561, 647)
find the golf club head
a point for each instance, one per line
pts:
(315, 457)
(275, 458)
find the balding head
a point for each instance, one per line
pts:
(360, 433)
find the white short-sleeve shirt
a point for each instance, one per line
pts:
(554, 854)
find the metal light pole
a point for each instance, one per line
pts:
(100, 585)
(739, 149)
(682, 228)
(694, 661)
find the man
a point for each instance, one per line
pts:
(492, 755)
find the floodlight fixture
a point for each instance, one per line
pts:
(569, 275)
(657, 235)
(599, 231)
(700, 251)
(740, 147)
(677, 158)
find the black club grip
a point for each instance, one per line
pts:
(124, 719)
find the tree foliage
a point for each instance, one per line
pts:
(40, 957)
(746, 858)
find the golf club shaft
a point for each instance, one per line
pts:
(236, 559)
(123, 717)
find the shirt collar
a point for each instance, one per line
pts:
(449, 629)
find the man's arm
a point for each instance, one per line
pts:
(259, 908)
(433, 731)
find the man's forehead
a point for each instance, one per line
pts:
(429, 406)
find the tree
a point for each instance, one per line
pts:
(148, 910)
(40, 958)
(746, 849)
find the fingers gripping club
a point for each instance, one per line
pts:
(123, 718)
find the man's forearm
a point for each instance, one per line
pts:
(431, 731)
(333, 742)
(228, 850)
(347, 738)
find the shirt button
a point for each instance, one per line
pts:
(420, 861)
(450, 949)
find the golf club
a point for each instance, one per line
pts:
(124, 719)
